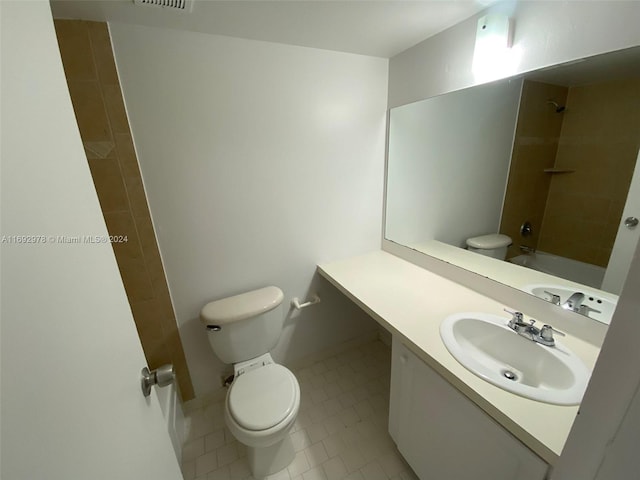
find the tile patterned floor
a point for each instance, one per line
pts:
(341, 431)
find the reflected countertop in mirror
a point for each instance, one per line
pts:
(555, 149)
(531, 281)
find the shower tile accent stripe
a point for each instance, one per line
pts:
(98, 104)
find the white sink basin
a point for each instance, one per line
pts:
(601, 301)
(487, 347)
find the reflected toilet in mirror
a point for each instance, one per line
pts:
(493, 245)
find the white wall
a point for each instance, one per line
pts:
(71, 401)
(603, 442)
(626, 239)
(546, 33)
(260, 160)
(448, 164)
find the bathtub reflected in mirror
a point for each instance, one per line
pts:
(567, 268)
(556, 148)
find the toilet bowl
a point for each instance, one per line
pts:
(263, 400)
(262, 406)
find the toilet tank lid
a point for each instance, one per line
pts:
(241, 307)
(486, 242)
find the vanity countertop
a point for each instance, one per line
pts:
(410, 302)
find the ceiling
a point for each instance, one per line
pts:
(380, 28)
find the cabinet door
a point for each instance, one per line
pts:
(399, 394)
(443, 435)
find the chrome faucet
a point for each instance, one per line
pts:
(574, 302)
(518, 325)
(543, 336)
(555, 299)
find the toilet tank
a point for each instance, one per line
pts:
(244, 326)
(493, 245)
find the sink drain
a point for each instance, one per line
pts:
(509, 375)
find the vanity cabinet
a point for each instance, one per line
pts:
(443, 435)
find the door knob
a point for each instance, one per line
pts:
(161, 376)
(630, 222)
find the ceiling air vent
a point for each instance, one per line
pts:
(178, 5)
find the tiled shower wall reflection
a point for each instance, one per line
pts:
(592, 147)
(599, 142)
(97, 100)
(534, 150)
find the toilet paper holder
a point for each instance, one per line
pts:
(295, 303)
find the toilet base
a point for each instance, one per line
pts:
(265, 461)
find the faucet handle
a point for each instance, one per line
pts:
(516, 317)
(586, 309)
(546, 333)
(555, 299)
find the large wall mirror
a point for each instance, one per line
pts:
(547, 159)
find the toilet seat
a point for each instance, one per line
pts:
(261, 398)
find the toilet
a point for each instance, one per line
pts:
(264, 398)
(493, 245)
